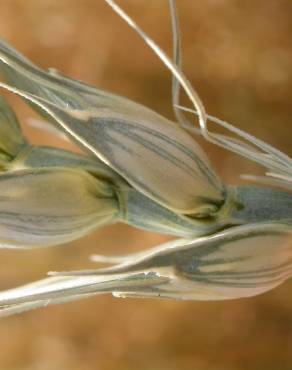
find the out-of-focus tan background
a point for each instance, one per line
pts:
(238, 54)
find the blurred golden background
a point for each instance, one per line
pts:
(238, 54)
